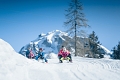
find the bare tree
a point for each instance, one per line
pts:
(75, 19)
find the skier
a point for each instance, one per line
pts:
(64, 54)
(41, 55)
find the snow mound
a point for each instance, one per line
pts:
(7, 53)
(5, 47)
(11, 63)
(51, 56)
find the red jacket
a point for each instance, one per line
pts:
(63, 53)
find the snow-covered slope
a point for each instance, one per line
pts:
(105, 49)
(14, 66)
(11, 63)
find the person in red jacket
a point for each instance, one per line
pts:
(29, 53)
(64, 54)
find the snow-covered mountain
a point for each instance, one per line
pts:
(52, 41)
(14, 66)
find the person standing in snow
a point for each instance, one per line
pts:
(64, 54)
(41, 55)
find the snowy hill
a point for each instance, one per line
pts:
(52, 41)
(14, 66)
(11, 63)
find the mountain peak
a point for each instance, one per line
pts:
(53, 33)
(51, 42)
(57, 32)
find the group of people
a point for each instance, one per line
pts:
(39, 55)
(63, 54)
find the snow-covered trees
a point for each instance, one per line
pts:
(116, 51)
(94, 46)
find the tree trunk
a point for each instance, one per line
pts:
(75, 42)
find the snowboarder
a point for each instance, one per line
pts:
(41, 55)
(64, 54)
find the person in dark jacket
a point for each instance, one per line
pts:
(28, 52)
(41, 55)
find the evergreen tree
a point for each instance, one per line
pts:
(75, 19)
(116, 51)
(94, 45)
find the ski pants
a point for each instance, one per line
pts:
(41, 57)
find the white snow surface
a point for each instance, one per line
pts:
(14, 66)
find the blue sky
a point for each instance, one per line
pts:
(21, 21)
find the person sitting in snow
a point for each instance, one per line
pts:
(29, 54)
(41, 55)
(64, 54)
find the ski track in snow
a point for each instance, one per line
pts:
(103, 67)
(80, 69)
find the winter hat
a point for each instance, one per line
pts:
(40, 49)
(62, 46)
